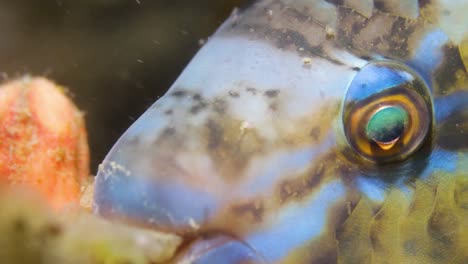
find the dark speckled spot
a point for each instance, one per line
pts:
(179, 93)
(169, 131)
(273, 106)
(168, 112)
(229, 145)
(251, 90)
(197, 97)
(219, 106)
(195, 109)
(19, 225)
(380, 5)
(288, 37)
(365, 57)
(424, 3)
(272, 93)
(335, 2)
(215, 134)
(253, 209)
(234, 94)
(53, 230)
(397, 42)
(315, 133)
(357, 26)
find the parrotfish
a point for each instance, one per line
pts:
(308, 131)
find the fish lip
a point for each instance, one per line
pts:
(149, 201)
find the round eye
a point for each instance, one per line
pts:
(387, 112)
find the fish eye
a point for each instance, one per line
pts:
(387, 112)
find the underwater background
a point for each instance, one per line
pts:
(115, 57)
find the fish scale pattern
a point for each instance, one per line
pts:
(429, 228)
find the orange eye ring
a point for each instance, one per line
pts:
(361, 104)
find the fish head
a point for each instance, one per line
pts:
(305, 129)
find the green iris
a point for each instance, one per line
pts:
(387, 125)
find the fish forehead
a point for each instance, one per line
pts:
(251, 130)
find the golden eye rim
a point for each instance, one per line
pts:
(410, 137)
(413, 96)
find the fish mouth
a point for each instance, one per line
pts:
(158, 200)
(428, 226)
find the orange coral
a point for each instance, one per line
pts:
(43, 142)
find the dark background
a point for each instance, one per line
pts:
(116, 57)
